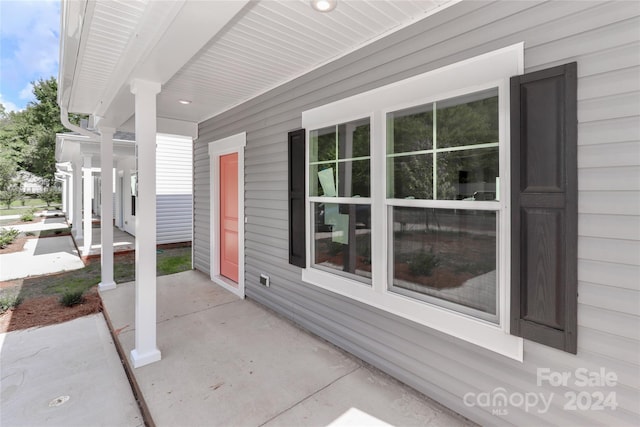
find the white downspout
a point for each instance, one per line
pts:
(64, 118)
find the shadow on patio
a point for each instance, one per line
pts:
(232, 362)
(122, 242)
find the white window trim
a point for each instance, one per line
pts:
(221, 147)
(491, 69)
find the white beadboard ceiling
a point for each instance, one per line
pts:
(265, 44)
(113, 25)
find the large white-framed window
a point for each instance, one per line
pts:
(407, 203)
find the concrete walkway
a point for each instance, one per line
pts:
(67, 374)
(41, 255)
(232, 362)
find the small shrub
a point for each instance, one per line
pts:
(423, 263)
(71, 298)
(8, 302)
(7, 236)
(29, 233)
(334, 248)
(25, 217)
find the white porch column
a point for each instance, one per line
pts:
(70, 198)
(146, 350)
(65, 184)
(106, 210)
(77, 200)
(86, 214)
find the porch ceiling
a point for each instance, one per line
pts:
(216, 54)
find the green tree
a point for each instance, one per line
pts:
(11, 194)
(13, 135)
(51, 195)
(28, 137)
(9, 185)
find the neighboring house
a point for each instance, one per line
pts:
(173, 183)
(448, 190)
(30, 183)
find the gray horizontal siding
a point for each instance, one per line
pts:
(174, 189)
(604, 39)
(201, 208)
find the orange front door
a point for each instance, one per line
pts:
(229, 216)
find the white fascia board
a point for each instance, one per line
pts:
(167, 126)
(68, 146)
(70, 30)
(75, 30)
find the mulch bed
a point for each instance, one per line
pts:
(16, 246)
(43, 311)
(440, 278)
(20, 222)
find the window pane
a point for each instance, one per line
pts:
(359, 133)
(446, 254)
(322, 146)
(410, 130)
(331, 151)
(322, 180)
(342, 238)
(352, 180)
(467, 120)
(467, 174)
(410, 177)
(353, 140)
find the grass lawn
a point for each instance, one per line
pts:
(169, 261)
(18, 209)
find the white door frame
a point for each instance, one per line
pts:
(221, 147)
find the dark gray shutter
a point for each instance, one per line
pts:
(297, 232)
(544, 217)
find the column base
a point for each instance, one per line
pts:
(138, 360)
(106, 286)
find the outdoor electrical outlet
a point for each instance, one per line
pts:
(264, 280)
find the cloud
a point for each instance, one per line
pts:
(29, 33)
(8, 105)
(27, 92)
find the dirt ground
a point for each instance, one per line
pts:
(16, 246)
(42, 311)
(37, 308)
(40, 304)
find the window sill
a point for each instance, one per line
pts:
(478, 332)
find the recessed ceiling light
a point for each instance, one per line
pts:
(184, 101)
(324, 5)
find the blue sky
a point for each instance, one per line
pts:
(29, 46)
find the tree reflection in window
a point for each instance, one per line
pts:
(454, 158)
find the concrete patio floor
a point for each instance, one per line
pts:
(232, 362)
(122, 241)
